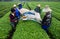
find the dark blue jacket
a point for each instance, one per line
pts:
(38, 9)
(17, 13)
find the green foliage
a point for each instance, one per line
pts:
(5, 8)
(55, 28)
(4, 26)
(29, 30)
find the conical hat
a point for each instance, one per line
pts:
(14, 5)
(39, 5)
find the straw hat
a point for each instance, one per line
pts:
(47, 6)
(14, 5)
(47, 9)
(38, 5)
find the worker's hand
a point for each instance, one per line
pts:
(24, 17)
(12, 14)
(16, 21)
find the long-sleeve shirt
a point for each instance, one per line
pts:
(17, 13)
(47, 19)
(12, 18)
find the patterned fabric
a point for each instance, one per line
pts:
(46, 20)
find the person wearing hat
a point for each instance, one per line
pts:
(46, 9)
(18, 14)
(14, 6)
(21, 9)
(46, 22)
(20, 6)
(13, 19)
(38, 8)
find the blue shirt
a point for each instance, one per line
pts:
(17, 13)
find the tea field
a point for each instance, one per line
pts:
(29, 29)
